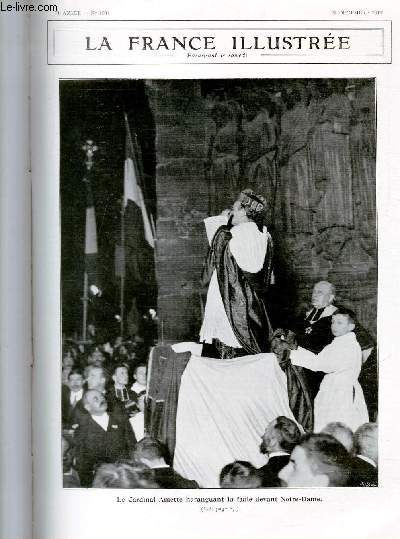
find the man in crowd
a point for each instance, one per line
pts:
(237, 271)
(317, 461)
(96, 378)
(151, 452)
(140, 377)
(120, 397)
(100, 437)
(96, 357)
(365, 463)
(278, 441)
(71, 395)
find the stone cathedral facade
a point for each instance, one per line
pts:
(308, 146)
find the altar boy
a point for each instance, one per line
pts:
(340, 397)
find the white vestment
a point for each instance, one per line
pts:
(248, 247)
(340, 397)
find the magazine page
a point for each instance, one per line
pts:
(15, 282)
(214, 285)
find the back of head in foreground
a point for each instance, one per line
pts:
(319, 460)
(281, 434)
(124, 475)
(366, 441)
(341, 432)
(239, 474)
(288, 432)
(150, 450)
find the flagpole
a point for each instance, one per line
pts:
(89, 148)
(123, 269)
(85, 300)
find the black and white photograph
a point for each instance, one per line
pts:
(218, 283)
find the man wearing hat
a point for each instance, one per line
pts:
(238, 272)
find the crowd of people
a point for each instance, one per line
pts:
(333, 457)
(331, 381)
(331, 443)
(103, 403)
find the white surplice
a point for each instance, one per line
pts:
(340, 397)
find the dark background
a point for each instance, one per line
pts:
(95, 110)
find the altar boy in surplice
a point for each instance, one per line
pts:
(340, 396)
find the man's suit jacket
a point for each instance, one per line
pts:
(169, 478)
(67, 410)
(363, 474)
(94, 445)
(78, 414)
(269, 472)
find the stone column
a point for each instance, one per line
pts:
(182, 204)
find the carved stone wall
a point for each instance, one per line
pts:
(308, 146)
(332, 232)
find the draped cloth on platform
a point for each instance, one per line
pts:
(223, 410)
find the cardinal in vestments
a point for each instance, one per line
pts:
(238, 273)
